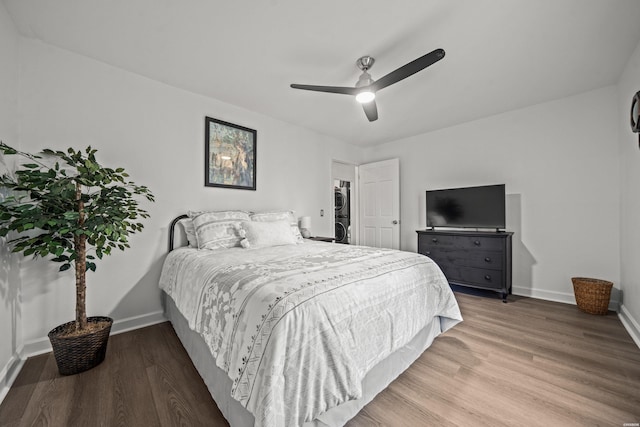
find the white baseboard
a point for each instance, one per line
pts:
(43, 345)
(567, 298)
(545, 295)
(631, 325)
(137, 322)
(9, 373)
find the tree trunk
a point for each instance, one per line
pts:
(81, 265)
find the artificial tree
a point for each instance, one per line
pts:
(67, 207)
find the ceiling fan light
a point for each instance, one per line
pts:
(365, 96)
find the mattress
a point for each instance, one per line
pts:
(296, 329)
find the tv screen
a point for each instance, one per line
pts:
(475, 207)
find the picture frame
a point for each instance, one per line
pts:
(230, 155)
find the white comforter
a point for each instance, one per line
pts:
(297, 327)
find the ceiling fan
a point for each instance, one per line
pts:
(366, 88)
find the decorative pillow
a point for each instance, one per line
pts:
(190, 231)
(263, 234)
(288, 216)
(220, 215)
(218, 230)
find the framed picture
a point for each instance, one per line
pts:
(230, 155)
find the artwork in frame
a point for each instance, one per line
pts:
(230, 155)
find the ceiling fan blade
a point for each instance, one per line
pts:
(408, 69)
(329, 89)
(371, 110)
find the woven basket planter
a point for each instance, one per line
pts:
(75, 354)
(592, 295)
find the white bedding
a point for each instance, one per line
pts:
(297, 327)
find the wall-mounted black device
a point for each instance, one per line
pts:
(635, 115)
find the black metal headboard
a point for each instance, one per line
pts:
(172, 229)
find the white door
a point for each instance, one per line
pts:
(379, 185)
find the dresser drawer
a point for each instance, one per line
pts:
(480, 277)
(433, 241)
(439, 257)
(459, 242)
(472, 242)
(480, 259)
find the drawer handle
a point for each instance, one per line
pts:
(477, 243)
(487, 277)
(487, 259)
(434, 240)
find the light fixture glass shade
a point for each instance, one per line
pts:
(364, 97)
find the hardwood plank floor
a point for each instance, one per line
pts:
(529, 362)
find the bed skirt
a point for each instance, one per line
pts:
(219, 384)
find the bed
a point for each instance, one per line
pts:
(303, 333)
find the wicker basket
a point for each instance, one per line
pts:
(80, 353)
(592, 295)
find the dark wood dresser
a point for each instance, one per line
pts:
(471, 258)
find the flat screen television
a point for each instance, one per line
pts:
(469, 207)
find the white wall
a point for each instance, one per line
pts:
(156, 132)
(630, 208)
(559, 161)
(9, 268)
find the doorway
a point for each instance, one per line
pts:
(342, 215)
(343, 188)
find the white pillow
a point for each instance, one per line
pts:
(218, 230)
(288, 216)
(263, 234)
(190, 231)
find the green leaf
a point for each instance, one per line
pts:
(42, 196)
(7, 150)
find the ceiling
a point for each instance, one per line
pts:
(500, 54)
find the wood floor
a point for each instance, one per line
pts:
(525, 363)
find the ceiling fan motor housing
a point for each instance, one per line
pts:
(365, 62)
(364, 80)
